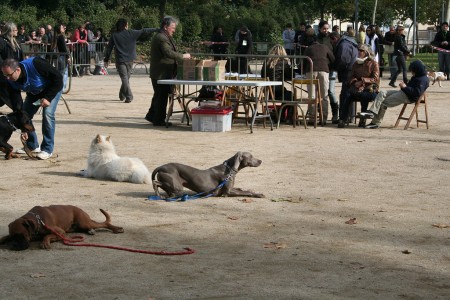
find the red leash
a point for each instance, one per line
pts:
(77, 240)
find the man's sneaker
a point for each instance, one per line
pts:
(366, 114)
(44, 155)
(22, 150)
(372, 126)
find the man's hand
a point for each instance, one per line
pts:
(45, 102)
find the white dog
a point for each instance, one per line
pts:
(436, 76)
(104, 163)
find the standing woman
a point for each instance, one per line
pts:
(361, 38)
(401, 51)
(163, 65)
(9, 48)
(58, 45)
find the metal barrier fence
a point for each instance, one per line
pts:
(82, 55)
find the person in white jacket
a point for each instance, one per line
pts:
(289, 39)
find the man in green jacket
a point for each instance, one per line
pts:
(163, 65)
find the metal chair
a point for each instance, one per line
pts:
(305, 95)
(247, 96)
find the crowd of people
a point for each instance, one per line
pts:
(86, 42)
(356, 59)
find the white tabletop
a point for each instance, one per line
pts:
(241, 76)
(221, 82)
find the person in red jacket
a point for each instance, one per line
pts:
(80, 37)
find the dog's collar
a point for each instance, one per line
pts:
(11, 124)
(232, 170)
(39, 221)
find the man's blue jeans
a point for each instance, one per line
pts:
(48, 123)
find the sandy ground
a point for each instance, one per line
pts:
(293, 244)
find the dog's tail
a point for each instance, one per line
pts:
(155, 171)
(108, 217)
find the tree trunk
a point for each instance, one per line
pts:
(162, 8)
(375, 11)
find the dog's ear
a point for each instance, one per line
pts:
(5, 239)
(29, 225)
(237, 160)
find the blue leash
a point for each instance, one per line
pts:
(186, 197)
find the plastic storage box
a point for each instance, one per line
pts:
(211, 119)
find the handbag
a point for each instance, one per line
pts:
(389, 49)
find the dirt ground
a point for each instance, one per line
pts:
(292, 244)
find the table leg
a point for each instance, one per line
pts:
(255, 111)
(265, 113)
(266, 102)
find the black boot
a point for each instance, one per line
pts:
(362, 122)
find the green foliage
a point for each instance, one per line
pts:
(192, 27)
(266, 19)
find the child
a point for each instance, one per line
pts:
(408, 93)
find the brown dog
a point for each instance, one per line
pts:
(35, 225)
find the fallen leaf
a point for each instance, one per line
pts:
(443, 159)
(351, 221)
(246, 200)
(275, 245)
(441, 225)
(37, 275)
(406, 252)
(288, 199)
(234, 218)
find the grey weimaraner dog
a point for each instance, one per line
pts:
(173, 177)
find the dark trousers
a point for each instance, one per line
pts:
(401, 68)
(157, 112)
(363, 97)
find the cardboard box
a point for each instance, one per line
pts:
(187, 69)
(199, 68)
(209, 119)
(214, 70)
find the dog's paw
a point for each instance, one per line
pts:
(45, 245)
(118, 230)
